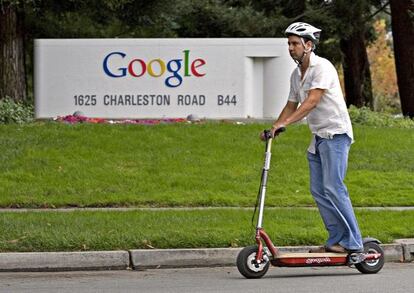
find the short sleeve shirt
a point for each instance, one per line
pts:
(330, 116)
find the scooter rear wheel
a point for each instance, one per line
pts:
(247, 266)
(371, 266)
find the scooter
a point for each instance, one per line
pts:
(253, 261)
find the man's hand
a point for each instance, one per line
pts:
(277, 129)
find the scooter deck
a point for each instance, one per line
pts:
(310, 259)
(312, 255)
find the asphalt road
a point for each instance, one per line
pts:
(393, 278)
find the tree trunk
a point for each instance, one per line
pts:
(12, 63)
(403, 31)
(357, 76)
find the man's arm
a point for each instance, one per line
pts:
(291, 113)
(289, 108)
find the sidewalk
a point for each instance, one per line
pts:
(400, 251)
(126, 209)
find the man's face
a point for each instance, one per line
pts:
(296, 48)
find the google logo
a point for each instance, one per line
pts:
(155, 68)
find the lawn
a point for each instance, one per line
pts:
(86, 230)
(212, 164)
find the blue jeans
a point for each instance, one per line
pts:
(327, 173)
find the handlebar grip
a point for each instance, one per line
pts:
(280, 130)
(268, 133)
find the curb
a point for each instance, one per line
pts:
(176, 258)
(64, 261)
(139, 259)
(408, 248)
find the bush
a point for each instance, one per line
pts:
(364, 116)
(15, 112)
(387, 104)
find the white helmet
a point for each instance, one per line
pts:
(304, 30)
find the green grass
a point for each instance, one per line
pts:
(84, 230)
(213, 164)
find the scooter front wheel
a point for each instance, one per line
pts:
(247, 265)
(371, 266)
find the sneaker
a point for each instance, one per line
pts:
(336, 248)
(356, 250)
(320, 249)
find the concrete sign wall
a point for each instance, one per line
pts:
(162, 78)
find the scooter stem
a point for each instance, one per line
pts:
(263, 182)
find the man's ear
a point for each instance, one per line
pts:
(308, 45)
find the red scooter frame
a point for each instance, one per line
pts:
(253, 261)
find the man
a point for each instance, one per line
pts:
(315, 93)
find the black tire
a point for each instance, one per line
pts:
(371, 266)
(246, 263)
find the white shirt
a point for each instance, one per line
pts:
(330, 116)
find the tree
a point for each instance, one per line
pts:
(402, 19)
(382, 64)
(184, 18)
(351, 29)
(226, 18)
(12, 61)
